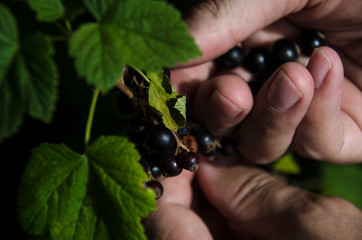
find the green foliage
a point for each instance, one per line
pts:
(8, 40)
(75, 196)
(287, 165)
(47, 10)
(97, 54)
(97, 7)
(344, 181)
(98, 194)
(118, 178)
(29, 85)
(52, 190)
(146, 34)
(170, 107)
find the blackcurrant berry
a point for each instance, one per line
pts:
(188, 160)
(169, 166)
(155, 171)
(145, 158)
(137, 130)
(282, 51)
(228, 147)
(161, 140)
(124, 104)
(258, 81)
(231, 59)
(257, 60)
(156, 186)
(181, 132)
(309, 40)
(254, 87)
(205, 141)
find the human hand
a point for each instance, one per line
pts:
(248, 203)
(314, 109)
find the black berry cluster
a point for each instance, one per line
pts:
(164, 153)
(263, 61)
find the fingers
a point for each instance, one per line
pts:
(173, 219)
(326, 132)
(265, 208)
(218, 25)
(280, 106)
(221, 103)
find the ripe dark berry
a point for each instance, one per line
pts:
(181, 132)
(189, 161)
(228, 147)
(257, 60)
(256, 84)
(282, 51)
(231, 59)
(161, 140)
(254, 87)
(309, 40)
(137, 130)
(155, 171)
(145, 158)
(205, 142)
(169, 166)
(156, 186)
(124, 104)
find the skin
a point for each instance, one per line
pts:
(312, 108)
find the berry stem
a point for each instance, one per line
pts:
(68, 25)
(141, 73)
(120, 84)
(179, 143)
(90, 119)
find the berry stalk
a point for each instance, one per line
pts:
(90, 119)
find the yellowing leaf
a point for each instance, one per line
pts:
(163, 98)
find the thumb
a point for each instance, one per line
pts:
(265, 208)
(218, 25)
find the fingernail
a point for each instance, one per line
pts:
(223, 107)
(283, 94)
(319, 68)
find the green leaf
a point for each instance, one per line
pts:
(95, 196)
(146, 34)
(97, 7)
(343, 181)
(151, 33)
(97, 56)
(119, 178)
(52, 191)
(30, 85)
(37, 52)
(73, 8)
(47, 10)
(181, 106)
(287, 164)
(8, 40)
(162, 96)
(11, 111)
